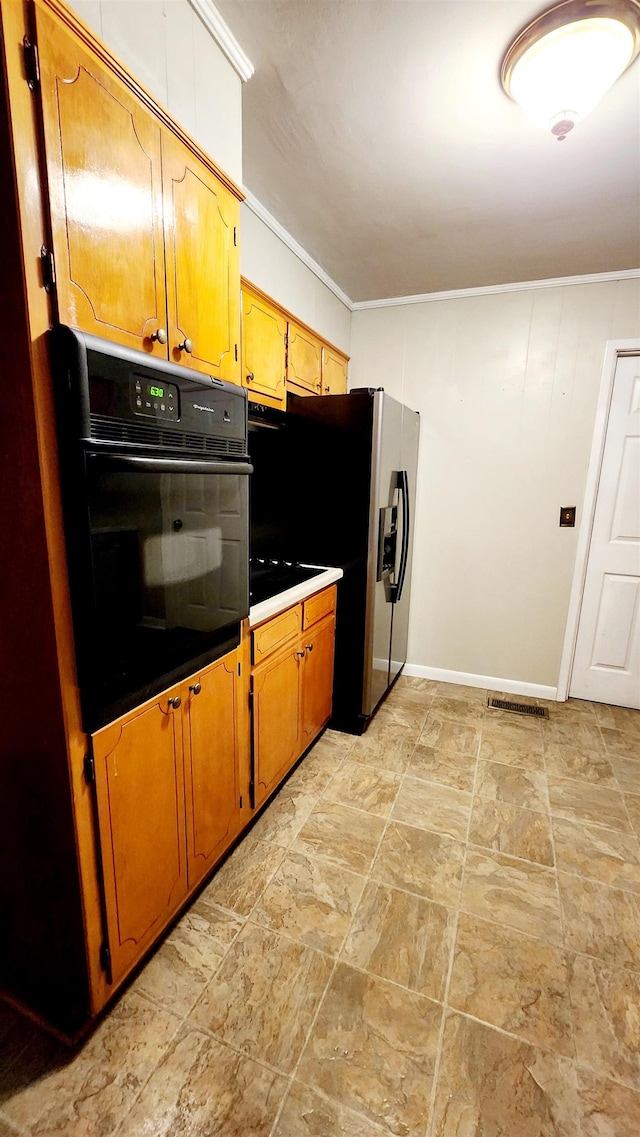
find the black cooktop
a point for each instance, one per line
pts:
(269, 577)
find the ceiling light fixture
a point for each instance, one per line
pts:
(560, 65)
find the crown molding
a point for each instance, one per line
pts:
(269, 220)
(224, 37)
(427, 297)
(496, 289)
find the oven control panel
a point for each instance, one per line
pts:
(154, 398)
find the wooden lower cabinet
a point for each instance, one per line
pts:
(168, 789)
(292, 687)
(214, 734)
(139, 786)
(317, 686)
(171, 778)
(276, 688)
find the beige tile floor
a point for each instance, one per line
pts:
(433, 931)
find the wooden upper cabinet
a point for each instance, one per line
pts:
(213, 737)
(264, 334)
(304, 366)
(203, 265)
(334, 372)
(140, 801)
(105, 188)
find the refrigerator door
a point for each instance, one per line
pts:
(381, 564)
(406, 511)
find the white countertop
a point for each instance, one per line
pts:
(282, 600)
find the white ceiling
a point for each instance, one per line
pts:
(377, 133)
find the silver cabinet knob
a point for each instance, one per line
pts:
(301, 654)
(186, 345)
(195, 688)
(250, 377)
(175, 702)
(309, 647)
(160, 336)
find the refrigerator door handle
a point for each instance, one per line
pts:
(402, 483)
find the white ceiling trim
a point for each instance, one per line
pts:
(269, 220)
(224, 37)
(493, 289)
(425, 298)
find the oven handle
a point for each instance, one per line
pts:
(168, 465)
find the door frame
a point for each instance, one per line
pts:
(614, 349)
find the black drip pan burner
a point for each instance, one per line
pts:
(269, 577)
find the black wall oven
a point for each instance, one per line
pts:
(155, 477)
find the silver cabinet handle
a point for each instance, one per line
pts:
(309, 647)
(175, 702)
(250, 377)
(301, 654)
(196, 688)
(186, 345)
(160, 336)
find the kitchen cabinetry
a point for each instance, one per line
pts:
(276, 688)
(334, 372)
(168, 796)
(304, 359)
(139, 786)
(264, 339)
(98, 851)
(202, 264)
(280, 354)
(215, 724)
(291, 685)
(104, 174)
(144, 233)
(318, 640)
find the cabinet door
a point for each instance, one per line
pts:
(212, 739)
(304, 359)
(334, 372)
(104, 175)
(140, 802)
(276, 735)
(317, 683)
(264, 333)
(203, 266)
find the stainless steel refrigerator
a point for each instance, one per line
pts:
(358, 470)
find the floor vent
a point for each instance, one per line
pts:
(518, 708)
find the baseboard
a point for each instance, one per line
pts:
(490, 682)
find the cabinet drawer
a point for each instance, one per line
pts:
(276, 633)
(322, 604)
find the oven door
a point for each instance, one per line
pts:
(162, 579)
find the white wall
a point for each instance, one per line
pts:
(507, 386)
(268, 263)
(168, 49)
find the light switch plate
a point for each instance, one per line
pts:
(567, 516)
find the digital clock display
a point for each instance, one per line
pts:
(149, 398)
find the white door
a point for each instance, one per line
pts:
(606, 664)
